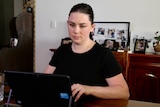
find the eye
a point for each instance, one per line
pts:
(71, 24)
(82, 26)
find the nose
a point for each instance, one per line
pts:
(76, 29)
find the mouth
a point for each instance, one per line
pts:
(75, 37)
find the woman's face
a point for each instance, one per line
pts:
(79, 27)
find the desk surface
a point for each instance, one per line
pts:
(119, 103)
(113, 103)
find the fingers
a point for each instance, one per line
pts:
(79, 94)
(77, 91)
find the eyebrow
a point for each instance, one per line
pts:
(74, 23)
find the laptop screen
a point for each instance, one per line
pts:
(39, 89)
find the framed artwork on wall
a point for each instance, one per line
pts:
(117, 31)
(140, 46)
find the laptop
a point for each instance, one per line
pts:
(40, 90)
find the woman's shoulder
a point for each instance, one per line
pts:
(64, 47)
(101, 48)
(102, 51)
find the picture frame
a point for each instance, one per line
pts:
(108, 43)
(117, 31)
(140, 46)
(111, 44)
(66, 40)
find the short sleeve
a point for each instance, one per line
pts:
(111, 65)
(55, 57)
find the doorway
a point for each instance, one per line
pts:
(20, 57)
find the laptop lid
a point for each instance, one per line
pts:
(37, 89)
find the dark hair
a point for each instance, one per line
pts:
(83, 8)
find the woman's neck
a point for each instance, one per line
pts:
(82, 48)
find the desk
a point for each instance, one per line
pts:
(113, 103)
(118, 103)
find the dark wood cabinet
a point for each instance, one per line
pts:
(144, 77)
(122, 58)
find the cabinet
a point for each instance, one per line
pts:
(144, 77)
(122, 58)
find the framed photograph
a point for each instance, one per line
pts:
(117, 31)
(140, 46)
(108, 43)
(111, 44)
(66, 40)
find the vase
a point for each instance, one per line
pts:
(156, 47)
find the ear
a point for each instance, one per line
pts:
(93, 26)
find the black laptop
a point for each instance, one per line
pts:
(40, 90)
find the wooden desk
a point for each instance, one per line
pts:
(133, 103)
(113, 103)
(118, 103)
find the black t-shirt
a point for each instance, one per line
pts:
(89, 68)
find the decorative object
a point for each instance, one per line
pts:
(66, 40)
(1, 86)
(140, 46)
(156, 44)
(111, 44)
(28, 5)
(116, 31)
(148, 35)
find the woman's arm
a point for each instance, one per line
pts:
(50, 69)
(117, 89)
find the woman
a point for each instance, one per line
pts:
(93, 69)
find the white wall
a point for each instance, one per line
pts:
(143, 15)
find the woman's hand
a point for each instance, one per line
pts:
(79, 89)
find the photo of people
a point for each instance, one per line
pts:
(117, 31)
(111, 33)
(109, 44)
(122, 38)
(101, 31)
(140, 46)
